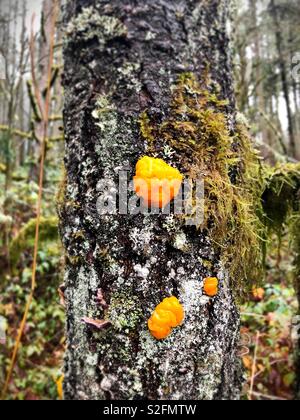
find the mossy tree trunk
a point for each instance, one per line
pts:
(123, 58)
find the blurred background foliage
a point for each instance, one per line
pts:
(266, 40)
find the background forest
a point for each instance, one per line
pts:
(266, 52)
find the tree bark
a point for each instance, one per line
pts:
(133, 52)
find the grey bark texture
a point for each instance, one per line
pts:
(122, 58)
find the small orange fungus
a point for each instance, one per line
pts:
(211, 286)
(258, 293)
(167, 315)
(156, 182)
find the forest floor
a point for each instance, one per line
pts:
(267, 331)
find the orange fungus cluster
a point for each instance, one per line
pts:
(156, 182)
(167, 315)
(211, 286)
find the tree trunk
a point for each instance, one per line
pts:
(283, 75)
(123, 58)
(260, 99)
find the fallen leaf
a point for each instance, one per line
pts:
(247, 361)
(100, 324)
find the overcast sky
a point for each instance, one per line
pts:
(33, 6)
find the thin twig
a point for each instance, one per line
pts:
(254, 366)
(254, 315)
(37, 92)
(268, 397)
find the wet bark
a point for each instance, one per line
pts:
(127, 55)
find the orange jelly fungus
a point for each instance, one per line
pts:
(211, 286)
(167, 315)
(258, 293)
(156, 181)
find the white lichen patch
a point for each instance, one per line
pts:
(141, 271)
(114, 267)
(72, 191)
(89, 24)
(129, 382)
(204, 300)
(190, 295)
(87, 168)
(149, 349)
(105, 115)
(90, 363)
(170, 223)
(181, 270)
(168, 151)
(128, 73)
(149, 36)
(141, 238)
(180, 242)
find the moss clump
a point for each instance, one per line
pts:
(61, 193)
(281, 204)
(147, 130)
(124, 312)
(89, 24)
(25, 240)
(198, 131)
(280, 200)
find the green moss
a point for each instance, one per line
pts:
(48, 237)
(61, 201)
(74, 260)
(78, 235)
(147, 129)
(198, 131)
(280, 200)
(60, 198)
(281, 203)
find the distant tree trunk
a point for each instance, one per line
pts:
(260, 99)
(283, 74)
(42, 72)
(242, 78)
(291, 43)
(124, 58)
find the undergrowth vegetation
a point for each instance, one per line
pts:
(40, 357)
